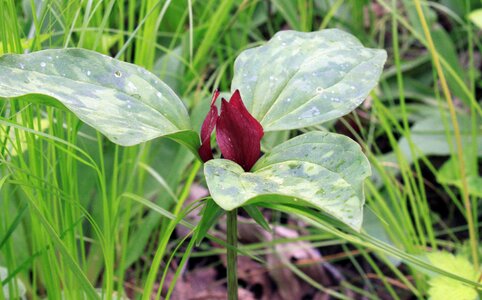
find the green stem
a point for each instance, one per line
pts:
(232, 237)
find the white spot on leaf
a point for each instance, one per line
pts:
(131, 87)
(312, 112)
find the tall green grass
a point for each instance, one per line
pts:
(81, 217)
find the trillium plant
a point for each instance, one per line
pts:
(296, 80)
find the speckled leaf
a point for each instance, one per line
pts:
(332, 151)
(126, 103)
(300, 79)
(320, 169)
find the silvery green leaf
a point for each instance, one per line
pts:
(300, 79)
(332, 151)
(318, 169)
(126, 103)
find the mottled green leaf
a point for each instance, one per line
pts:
(319, 169)
(126, 103)
(301, 79)
(335, 152)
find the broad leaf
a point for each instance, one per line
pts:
(125, 102)
(375, 227)
(476, 17)
(319, 169)
(301, 79)
(335, 152)
(430, 137)
(444, 288)
(449, 173)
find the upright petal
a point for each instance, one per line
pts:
(237, 102)
(238, 133)
(207, 128)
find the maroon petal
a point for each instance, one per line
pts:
(207, 128)
(237, 102)
(238, 133)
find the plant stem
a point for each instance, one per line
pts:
(232, 237)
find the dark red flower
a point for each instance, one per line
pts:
(238, 133)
